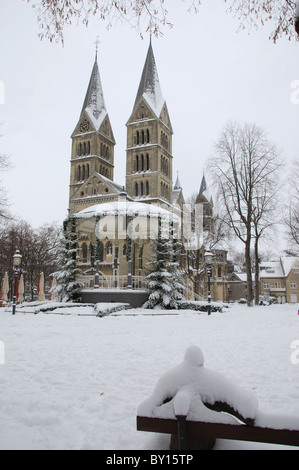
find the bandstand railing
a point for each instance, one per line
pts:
(114, 282)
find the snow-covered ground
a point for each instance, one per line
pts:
(75, 381)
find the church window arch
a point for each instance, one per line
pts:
(88, 148)
(141, 189)
(142, 162)
(101, 252)
(136, 190)
(147, 162)
(84, 148)
(87, 170)
(84, 252)
(124, 249)
(137, 137)
(83, 172)
(219, 271)
(109, 248)
(147, 136)
(78, 176)
(142, 137)
(137, 163)
(147, 188)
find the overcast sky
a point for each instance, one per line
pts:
(209, 73)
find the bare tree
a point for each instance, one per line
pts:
(291, 218)
(38, 247)
(244, 167)
(5, 165)
(152, 15)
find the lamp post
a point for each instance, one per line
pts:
(208, 261)
(17, 260)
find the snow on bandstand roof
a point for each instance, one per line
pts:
(117, 208)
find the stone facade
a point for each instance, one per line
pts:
(149, 183)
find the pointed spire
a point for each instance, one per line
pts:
(203, 186)
(177, 184)
(204, 194)
(149, 86)
(94, 103)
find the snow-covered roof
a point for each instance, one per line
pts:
(271, 269)
(289, 263)
(117, 208)
(149, 87)
(281, 268)
(94, 104)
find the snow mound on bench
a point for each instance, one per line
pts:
(184, 389)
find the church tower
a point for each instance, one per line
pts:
(149, 141)
(92, 162)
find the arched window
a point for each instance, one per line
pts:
(147, 136)
(88, 148)
(137, 138)
(84, 252)
(100, 252)
(142, 137)
(142, 162)
(137, 163)
(79, 173)
(109, 248)
(84, 148)
(147, 188)
(87, 170)
(141, 189)
(147, 162)
(83, 172)
(136, 190)
(219, 272)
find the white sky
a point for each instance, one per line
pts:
(209, 74)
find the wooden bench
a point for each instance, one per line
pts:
(191, 435)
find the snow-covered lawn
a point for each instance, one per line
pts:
(76, 381)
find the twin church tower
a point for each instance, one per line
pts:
(149, 158)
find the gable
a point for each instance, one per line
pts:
(84, 125)
(142, 112)
(106, 129)
(95, 185)
(164, 117)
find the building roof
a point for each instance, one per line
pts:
(94, 104)
(123, 207)
(149, 87)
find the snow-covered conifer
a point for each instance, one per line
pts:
(165, 282)
(68, 286)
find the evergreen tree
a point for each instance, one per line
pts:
(68, 287)
(165, 282)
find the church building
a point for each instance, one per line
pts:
(105, 210)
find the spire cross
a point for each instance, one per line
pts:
(97, 44)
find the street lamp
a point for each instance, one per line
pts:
(208, 261)
(17, 260)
